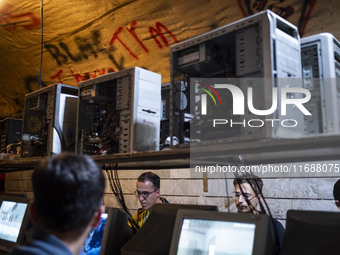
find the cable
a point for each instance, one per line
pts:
(42, 40)
(112, 174)
(226, 187)
(263, 209)
(266, 210)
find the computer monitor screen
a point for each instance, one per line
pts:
(14, 221)
(311, 232)
(204, 232)
(215, 237)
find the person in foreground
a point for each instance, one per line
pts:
(148, 193)
(68, 191)
(248, 194)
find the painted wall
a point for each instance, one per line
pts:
(83, 39)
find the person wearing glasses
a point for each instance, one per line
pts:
(248, 194)
(148, 193)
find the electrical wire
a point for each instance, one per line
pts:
(116, 188)
(276, 233)
(42, 41)
(263, 208)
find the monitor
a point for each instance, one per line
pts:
(157, 230)
(311, 232)
(204, 232)
(14, 221)
(117, 232)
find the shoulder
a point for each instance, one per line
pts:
(43, 244)
(40, 248)
(164, 201)
(140, 216)
(25, 250)
(141, 212)
(280, 230)
(279, 225)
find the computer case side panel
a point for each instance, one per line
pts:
(320, 56)
(119, 113)
(261, 51)
(45, 129)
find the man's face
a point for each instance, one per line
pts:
(148, 194)
(240, 200)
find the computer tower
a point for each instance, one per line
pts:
(10, 133)
(320, 57)
(119, 112)
(261, 46)
(49, 125)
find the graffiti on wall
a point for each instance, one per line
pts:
(87, 48)
(143, 40)
(13, 21)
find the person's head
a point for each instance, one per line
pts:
(336, 193)
(68, 191)
(147, 189)
(248, 192)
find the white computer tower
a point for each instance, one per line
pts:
(119, 113)
(261, 46)
(49, 125)
(320, 59)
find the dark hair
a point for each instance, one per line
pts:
(68, 189)
(336, 190)
(254, 181)
(150, 176)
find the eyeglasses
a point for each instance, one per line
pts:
(245, 195)
(144, 194)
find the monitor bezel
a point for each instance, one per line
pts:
(173, 208)
(158, 228)
(261, 222)
(105, 237)
(116, 232)
(9, 245)
(311, 231)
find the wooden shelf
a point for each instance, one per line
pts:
(252, 152)
(165, 159)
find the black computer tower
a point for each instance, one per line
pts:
(10, 133)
